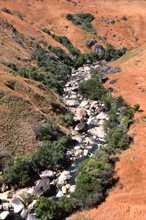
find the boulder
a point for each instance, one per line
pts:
(90, 42)
(113, 81)
(4, 215)
(24, 213)
(81, 114)
(31, 217)
(87, 69)
(123, 50)
(64, 189)
(47, 174)
(17, 205)
(72, 103)
(6, 206)
(101, 116)
(65, 175)
(85, 153)
(82, 126)
(99, 50)
(31, 205)
(72, 188)
(93, 104)
(59, 194)
(78, 138)
(84, 103)
(42, 187)
(114, 69)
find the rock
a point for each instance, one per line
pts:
(77, 148)
(104, 79)
(4, 188)
(89, 147)
(43, 187)
(78, 153)
(81, 69)
(72, 103)
(101, 116)
(123, 50)
(6, 206)
(82, 126)
(81, 114)
(98, 131)
(47, 174)
(84, 103)
(64, 190)
(85, 153)
(113, 81)
(59, 194)
(67, 186)
(109, 20)
(72, 188)
(4, 215)
(73, 96)
(74, 88)
(24, 213)
(99, 50)
(90, 42)
(1, 207)
(31, 205)
(78, 138)
(93, 104)
(65, 175)
(17, 205)
(114, 69)
(31, 217)
(106, 69)
(87, 69)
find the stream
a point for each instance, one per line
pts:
(88, 134)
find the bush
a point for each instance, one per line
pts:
(94, 177)
(52, 155)
(47, 209)
(117, 138)
(82, 19)
(67, 118)
(92, 89)
(136, 107)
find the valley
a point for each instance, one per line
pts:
(54, 108)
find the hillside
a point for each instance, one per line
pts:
(25, 103)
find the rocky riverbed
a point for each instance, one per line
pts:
(88, 135)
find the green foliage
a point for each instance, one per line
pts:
(94, 177)
(117, 138)
(136, 107)
(10, 65)
(67, 118)
(82, 19)
(92, 89)
(47, 209)
(111, 53)
(53, 71)
(50, 155)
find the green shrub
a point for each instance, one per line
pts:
(67, 118)
(92, 89)
(82, 19)
(52, 154)
(47, 209)
(117, 138)
(136, 107)
(94, 177)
